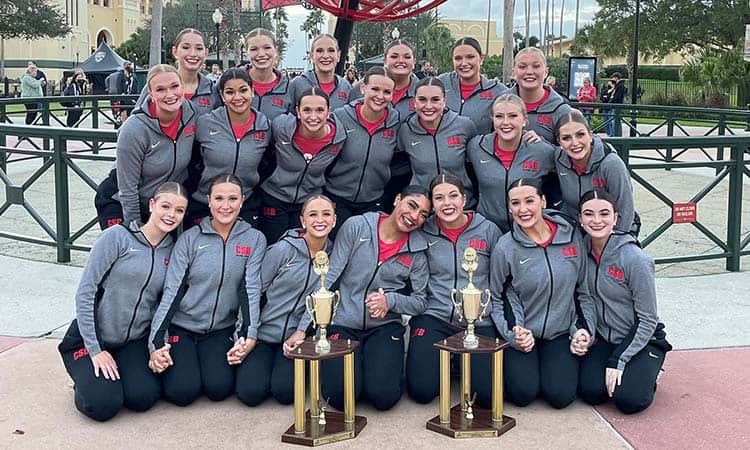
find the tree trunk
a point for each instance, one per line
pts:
(154, 53)
(508, 7)
(578, 10)
(562, 12)
(527, 5)
(236, 32)
(2, 59)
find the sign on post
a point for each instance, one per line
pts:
(580, 67)
(684, 212)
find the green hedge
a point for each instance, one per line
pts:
(670, 73)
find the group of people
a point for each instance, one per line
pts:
(394, 177)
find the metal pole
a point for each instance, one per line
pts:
(217, 44)
(487, 42)
(634, 75)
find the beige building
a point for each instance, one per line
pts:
(478, 30)
(92, 21)
(672, 59)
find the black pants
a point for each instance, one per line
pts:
(400, 178)
(198, 210)
(378, 366)
(276, 217)
(638, 379)
(138, 388)
(549, 370)
(346, 209)
(200, 365)
(74, 114)
(108, 210)
(31, 112)
(265, 372)
(423, 361)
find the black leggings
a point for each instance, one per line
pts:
(31, 112)
(638, 379)
(200, 364)
(423, 361)
(378, 366)
(265, 372)
(138, 388)
(108, 210)
(74, 114)
(549, 370)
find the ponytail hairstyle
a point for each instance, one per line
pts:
(170, 187)
(520, 182)
(376, 70)
(234, 74)
(430, 81)
(471, 42)
(314, 91)
(160, 68)
(447, 178)
(573, 116)
(261, 32)
(600, 194)
(224, 178)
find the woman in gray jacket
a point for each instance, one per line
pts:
(624, 362)
(105, 349)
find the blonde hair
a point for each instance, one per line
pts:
(261, 32)
(185, 32)
(512, 99)
(324, 35)
(533, 50)
(160, 68)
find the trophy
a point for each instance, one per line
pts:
(470, 307)
(322, 304)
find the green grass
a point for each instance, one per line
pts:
(57, 109)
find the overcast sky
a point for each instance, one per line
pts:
(459, 9)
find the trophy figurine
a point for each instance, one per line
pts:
(470, 307)
(322, 304)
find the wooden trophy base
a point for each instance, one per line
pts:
(481, 425)
(334, 430)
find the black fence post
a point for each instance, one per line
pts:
(734, 213)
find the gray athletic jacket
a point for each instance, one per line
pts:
(222, 153)
(295, 179)
(531, 161)
(444, 260)
(204, 100)
(624, 293)
(363, 166)
(120, 287)
(444, 152)
(545, 117)
(478, 107)
(541, 289)
(405, 106)
(357, 273)
(604, 170)
(146, 157)
(339, 96)
(287, 278)
(211, 284)
(277, 101)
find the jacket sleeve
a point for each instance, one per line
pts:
(415, 303)
(272, 262)
(104, 254)
(130, 154)
(584, 303)
(253, 267)
(175, 284)
(643, 288)
(342, 250)
(503, 296)
(619, 185)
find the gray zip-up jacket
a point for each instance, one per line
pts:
(357, 273)
(287, 277)
(444, 259)
(605, 170)
(120, 287)
(295, 177)
(364, 164)
(338, 98)
(478, 107)
(431, 155)
(222, 152)
(146, 157)
(531, 161)
(277, 101)
(204, 100)
(545, 117)
(541, 289)
(405, 105)
(624, 293)
(211, 284)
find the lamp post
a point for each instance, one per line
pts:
(395, 34)
(634, 75)
(217, 17)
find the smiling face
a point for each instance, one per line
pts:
(529, 71)
(576, 140)
(165, 90)
(508, 120)
(526, 206)
(466, 63)
(378, 93)
(237, 95)
(261, 52)
(399, 61)
(190, 52)
(429, 102)
(448, 203)
(410, 212)
(318, 218)
(167, 211)
(225, 201)
(313, 114)
(598, 218)
(325, 54)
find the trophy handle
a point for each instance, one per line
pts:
(485, 304)
(457, 305)
(310, 309)
(336, 301)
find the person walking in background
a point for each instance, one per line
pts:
(39, 76)
(215, 73)
(31, 87)
(128, 86)
(76, 86)
(586, 94)
(617, 95)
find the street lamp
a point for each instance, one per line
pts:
(395, 33)
(217, 17)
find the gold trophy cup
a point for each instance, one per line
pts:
(470, 307)
(322, 304)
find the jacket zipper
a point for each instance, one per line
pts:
(437, 156)
(551, 290)
(174, 160)
(455, 279)
(596, 289)
(140, 295)
(221, 282)
(364, 166)
(296, 302)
